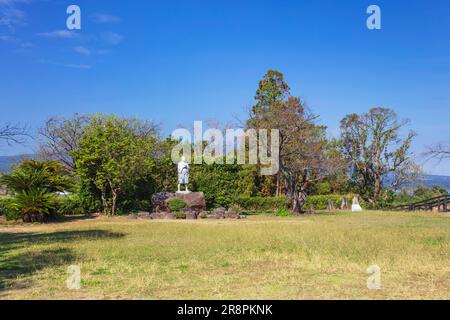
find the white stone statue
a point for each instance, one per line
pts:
(355, 205)
(183, 174)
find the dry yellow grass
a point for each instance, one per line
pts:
(322, 256)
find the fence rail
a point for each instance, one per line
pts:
(440, 204)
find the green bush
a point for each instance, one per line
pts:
(283, 213)
(180, 215)
(9, 209)
(235, 208)
(69, 205)
(176, 204)
(258, 204)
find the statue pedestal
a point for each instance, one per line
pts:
(195, 201)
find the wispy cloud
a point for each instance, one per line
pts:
(82, 50)
(111, 38)
(105, 18)
(12, 2)
(63, 34)
(11, 17)
(17, 41)
(66, 65)
(87, 51)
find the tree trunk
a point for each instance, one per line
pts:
(104, 202)
(377, 189)
(114, 200)
(278, 191)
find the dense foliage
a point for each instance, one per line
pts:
(110, 164)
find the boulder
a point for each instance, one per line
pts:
(195, 200)
(203, 215)
(231, 215)
(220, 212)
(191, 215)
(163, 215)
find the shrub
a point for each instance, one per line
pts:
(180, 215)
(9, 209)
(283, 213)
(176, 204)
(69, 205)
(235, 208)
(259, 204)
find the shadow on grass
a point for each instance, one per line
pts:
(72, 218)
(13, 265)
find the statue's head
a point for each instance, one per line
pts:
(183, 159)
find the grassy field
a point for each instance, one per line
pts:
(310, 257)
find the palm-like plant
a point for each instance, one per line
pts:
(35, 204)
(34, 184)
(22, 180)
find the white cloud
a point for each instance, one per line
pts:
(105, 18)
(111, 38)
(8, 38)
(67, 65)
(12, 17)
(12, 2)
(82, 50)
(64, 34)
(87, 51)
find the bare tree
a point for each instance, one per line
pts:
(439, 151)
(60, 137)
(11, 133)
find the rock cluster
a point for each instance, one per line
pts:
(196, 208)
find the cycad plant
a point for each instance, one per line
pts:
(34, 185)
(35, 204)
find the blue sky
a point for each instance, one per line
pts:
(179, 61)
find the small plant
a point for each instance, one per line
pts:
(9, 209)
(235, 208)
(283, 213)
(176, 204)
(180, 215)
(203, 215)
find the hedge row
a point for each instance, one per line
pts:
(318, 202)
(262, 203)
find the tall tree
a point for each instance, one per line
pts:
(113, 153)
(372, 144)
(302, 143)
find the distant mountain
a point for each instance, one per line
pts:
(433, 180)
(7, 162)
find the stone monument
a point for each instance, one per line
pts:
(355, 205)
